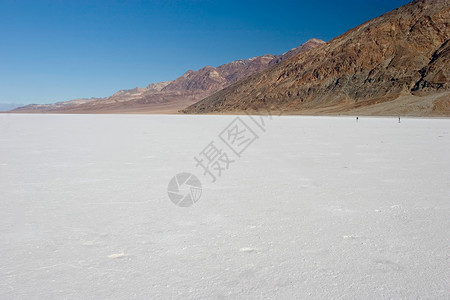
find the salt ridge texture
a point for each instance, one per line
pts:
(316, 207)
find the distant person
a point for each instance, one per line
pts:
(357, 119)
(399, 119)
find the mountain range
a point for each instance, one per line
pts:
(398, 63)
(172, 96)
(395, 64)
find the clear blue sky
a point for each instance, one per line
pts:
(60, 50)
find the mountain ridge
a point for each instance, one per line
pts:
(170, 96)
(404, 52)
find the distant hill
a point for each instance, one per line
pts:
(398, 63)
(171, 96)
(8, 106)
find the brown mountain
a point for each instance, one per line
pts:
(311, 44)
(171, 96)
(397, 63)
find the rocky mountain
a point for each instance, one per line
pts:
(214, 79)
(311, 44)
(397, 63)
(171, 96)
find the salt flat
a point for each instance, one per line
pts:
(315, 207)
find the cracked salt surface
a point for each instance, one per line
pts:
(315, 208)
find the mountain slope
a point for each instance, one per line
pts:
(311, 44)
(171, 96)
(403, 53)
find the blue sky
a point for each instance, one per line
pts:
(60, 50)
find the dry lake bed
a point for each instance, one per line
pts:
(289, 207)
